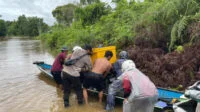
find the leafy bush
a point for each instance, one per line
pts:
(150, 24)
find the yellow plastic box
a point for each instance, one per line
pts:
(100, 52)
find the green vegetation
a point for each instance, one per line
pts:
(64, 14)
(153, 23)
(180, 49)
(86, 2)
(2, 28)
(24, 26)
(150, 31)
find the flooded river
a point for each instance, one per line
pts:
(24, 89)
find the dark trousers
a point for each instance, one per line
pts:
(57, 76)
(68, 82)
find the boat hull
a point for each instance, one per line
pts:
(165, 97)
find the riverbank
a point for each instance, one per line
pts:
(18, 37)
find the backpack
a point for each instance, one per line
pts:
(73, 61)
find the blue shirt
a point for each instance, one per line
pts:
(117, 66)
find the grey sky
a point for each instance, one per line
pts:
(12, 9)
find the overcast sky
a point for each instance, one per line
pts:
(12, 9)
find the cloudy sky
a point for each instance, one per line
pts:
(12, 9)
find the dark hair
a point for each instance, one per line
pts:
(108, 53)
(88, 47)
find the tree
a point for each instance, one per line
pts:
(86, 2)
(64, 14)
(22, 25)
(26, 26)
(177, 14)
(11, 27)
(91, 13)
(2, 28)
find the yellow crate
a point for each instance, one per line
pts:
(100, 52)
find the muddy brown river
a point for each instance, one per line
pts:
(23, 88)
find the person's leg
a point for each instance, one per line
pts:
(127, 107)
(60, 86)
(115, 87)
(78, 89)
(136, 105)
(142, 105)
(100, 96)
(60, 81)
(150, 103)
(198, 107)
(86, 84)
(67, 85)
(82, 77)
(100, 86)
(57, 78)
(85, 95)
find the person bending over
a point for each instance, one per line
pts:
(71, 73)
(58, 66)
(116, 86)
(95, 78)
(139, 91)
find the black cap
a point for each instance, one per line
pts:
(64, 48)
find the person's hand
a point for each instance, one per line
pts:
(68, 56)
(125, 100)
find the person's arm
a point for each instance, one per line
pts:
(61, 58)
(88, 64)
(115, 67)
(107, 71)
(68, 57)
(127, 87)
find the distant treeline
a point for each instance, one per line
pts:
(165, 24)
(24, 26)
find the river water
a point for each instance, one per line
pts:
(23, 88)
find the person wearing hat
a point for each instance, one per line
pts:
(71, 73)
(76, 48)
(140, 93)
(73, 49)
(58, 66)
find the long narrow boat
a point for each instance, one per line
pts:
(166, 97)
